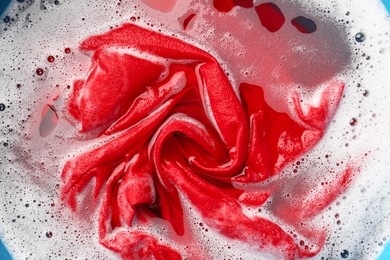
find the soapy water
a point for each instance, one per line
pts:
(38, 139)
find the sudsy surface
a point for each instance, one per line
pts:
(291, 59)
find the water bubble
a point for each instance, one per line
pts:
(365, 93)
(50, 58)
(49, 234)
(6, 19)
(353, 121)
(360, 37)
(344, 254)
(67, 50)
(39, 71)
(2, 107)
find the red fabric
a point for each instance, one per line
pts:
(189, 133)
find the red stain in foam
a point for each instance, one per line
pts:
(164, 6)
(166, 144)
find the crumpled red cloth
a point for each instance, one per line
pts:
(181, 130)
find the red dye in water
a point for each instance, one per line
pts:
(270, 15)
(189, 134)
(49, 121)
(304, 25)
(227, 5)
(188, 20)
